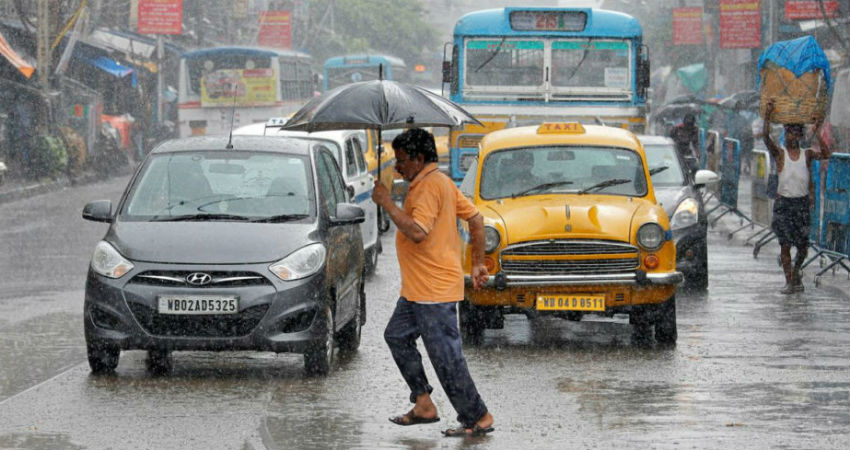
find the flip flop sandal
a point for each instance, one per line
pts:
(467, 432)
(411, 419)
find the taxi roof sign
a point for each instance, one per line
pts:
(560, 128)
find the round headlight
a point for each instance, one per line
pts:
(650, 236)
(687, 214)
(491, 239)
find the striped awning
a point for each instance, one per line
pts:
(14, 58)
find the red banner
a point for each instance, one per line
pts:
(809, 9)
(687, 26)
(740, 24)
(161, 16)
(275, 29)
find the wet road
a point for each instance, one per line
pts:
(752, 369)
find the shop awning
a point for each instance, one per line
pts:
(15, 59)
(109, 66)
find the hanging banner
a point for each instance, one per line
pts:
(740, 24)
(687, 26)
(275, 29)
(809, 9)
(161, 16)
(239, 87)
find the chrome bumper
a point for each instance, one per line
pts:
(501, 281)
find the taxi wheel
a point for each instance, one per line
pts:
(641, 328)
(102, 358)
(319, 357)
(665, 323)
(470, 322)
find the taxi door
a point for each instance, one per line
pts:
(358, 179)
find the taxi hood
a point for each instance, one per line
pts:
(570, 216)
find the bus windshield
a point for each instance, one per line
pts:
(338, 76)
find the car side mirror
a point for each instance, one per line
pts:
(447, 71)
(348, 214)
(704, 177)
(98, 211)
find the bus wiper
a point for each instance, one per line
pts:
(280, 218)
(655, 170)
(542, 187)
(605, 184)
(201, 217)
(493, 54)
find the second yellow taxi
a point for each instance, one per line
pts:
(572, 228)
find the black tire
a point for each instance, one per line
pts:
(159, 361)
(471, 323)
(349, 337)
(699, 280)
(641, 327)
(371, 262)
(383, 221)
(319, 357)
(666, 331)
(103, 358)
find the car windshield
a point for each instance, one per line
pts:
(562, 169)
(664, 155)
(242, 186)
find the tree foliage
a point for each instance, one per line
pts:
(394, 27)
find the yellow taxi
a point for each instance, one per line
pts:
(572, 228)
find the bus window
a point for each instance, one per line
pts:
(504, 62)
(597, 64)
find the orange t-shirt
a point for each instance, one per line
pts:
(431, 270)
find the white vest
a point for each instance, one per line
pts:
(794, 177)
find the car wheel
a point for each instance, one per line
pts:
(159, 361)
(665, 323)
(103, 358)
(699, 279)
(641, 327)
(349, 337)
(383, 221)
(471, 323)
(319, 357)
(371, 259)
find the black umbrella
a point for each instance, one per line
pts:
(379, 105)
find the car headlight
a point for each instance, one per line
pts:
(108, 262)
(491, 239)
(650, 236)
(300, 263)
(687, 214)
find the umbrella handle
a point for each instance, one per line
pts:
(380, 146)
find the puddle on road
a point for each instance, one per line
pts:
(38, 441)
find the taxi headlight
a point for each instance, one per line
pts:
(491, 239)
(108, 262)
(650, 236)
(687, 214)
(301, 263)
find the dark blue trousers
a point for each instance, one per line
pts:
(436, 323)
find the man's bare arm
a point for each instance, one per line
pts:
(479, 272)
(765, 134)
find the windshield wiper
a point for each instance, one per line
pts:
(655, 170)
(583, 57)
(492, 55)
(280, 218)
(605, 184)
(201, 217)
(541, 187)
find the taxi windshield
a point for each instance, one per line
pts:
(248, 186)
(525, 171)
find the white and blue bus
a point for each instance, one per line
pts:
(341, 70)
(524, 65)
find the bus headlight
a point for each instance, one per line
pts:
(650, 236)
(492, 239)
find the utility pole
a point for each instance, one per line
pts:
(43, 46)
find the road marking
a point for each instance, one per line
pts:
(62, 371)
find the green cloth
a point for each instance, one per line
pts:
(693, 77)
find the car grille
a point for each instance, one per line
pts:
(615, 257)
(218, 279)
(221, 325)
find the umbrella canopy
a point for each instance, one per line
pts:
(378, 104)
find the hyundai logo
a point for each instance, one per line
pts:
(199, 279)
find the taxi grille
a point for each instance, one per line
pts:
(221, 325)
(614, 257)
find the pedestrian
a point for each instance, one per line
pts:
(432, 284)
(686, 136)
(791, 208)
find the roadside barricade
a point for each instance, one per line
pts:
(730, 172)
(761, 201)
(831, 214)
(711, 158)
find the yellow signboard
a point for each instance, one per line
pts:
(239, 87)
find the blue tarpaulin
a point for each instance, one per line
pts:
(799, 55)
(110, 66)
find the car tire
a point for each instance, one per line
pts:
(372, 259)
(471, 323)
(350, 336)
(641, 327)
(666, 331)
(103, 358)
(699, 279)
(319, 357)
(383, 221)
(159, 361)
